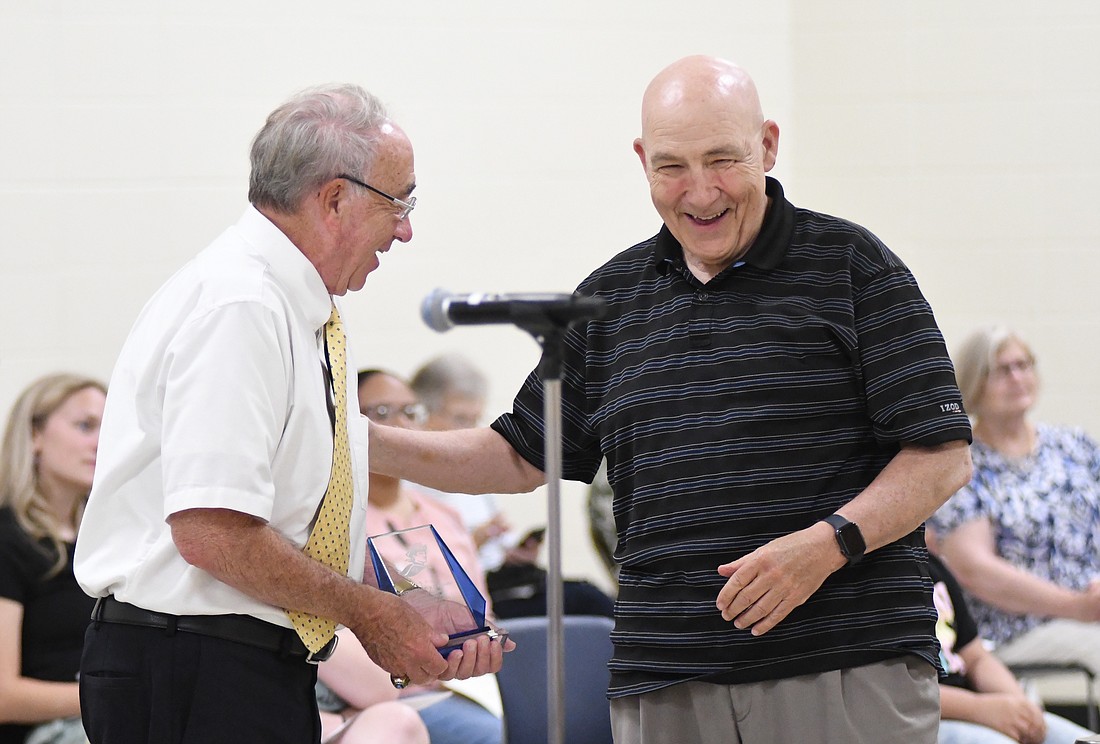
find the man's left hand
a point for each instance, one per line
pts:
(479, 655)
(768, 583)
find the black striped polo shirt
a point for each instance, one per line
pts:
(740, 410)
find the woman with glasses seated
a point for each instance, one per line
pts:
(1023, 537)
(449, 712)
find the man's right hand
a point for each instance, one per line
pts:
(479, 655)
(400, 640)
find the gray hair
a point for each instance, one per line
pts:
(448, 374)
(977, 357)
(316, 135)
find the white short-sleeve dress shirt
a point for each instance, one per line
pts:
(218, 400)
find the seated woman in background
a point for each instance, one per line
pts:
(1023, 537)
(981, 702)
(47, 459)
(393, 505)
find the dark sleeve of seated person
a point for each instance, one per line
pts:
(955, 627)
(979, 689)
(518, 587)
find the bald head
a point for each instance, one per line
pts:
(705, 148)
(702, 84)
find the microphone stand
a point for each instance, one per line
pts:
(548, 322)
(550, 371)
(549, 332)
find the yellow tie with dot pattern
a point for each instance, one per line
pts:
(329, 540)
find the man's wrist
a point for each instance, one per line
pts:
(848, 537)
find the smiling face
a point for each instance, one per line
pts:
(705, 148)
(368, 222)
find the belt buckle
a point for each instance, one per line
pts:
(324, 653)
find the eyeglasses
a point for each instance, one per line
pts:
(1006, 370)
(406, 206)
(413, 413)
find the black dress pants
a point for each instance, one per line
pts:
(142, 685)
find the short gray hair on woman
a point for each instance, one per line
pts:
(313, 137)
(976, 358)
(445, 375)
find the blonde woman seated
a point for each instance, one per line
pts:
(393, 505)
(1023, 537)
(46, 464)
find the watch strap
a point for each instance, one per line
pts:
(844, 531)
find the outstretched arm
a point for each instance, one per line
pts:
(460, 461)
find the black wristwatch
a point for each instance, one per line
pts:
(848, 537)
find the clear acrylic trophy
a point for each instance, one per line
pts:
(416, 565)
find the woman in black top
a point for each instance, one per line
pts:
(46, 463)
(981, 702)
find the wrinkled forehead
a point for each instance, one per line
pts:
(696, 131)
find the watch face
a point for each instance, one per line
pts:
(851, 541)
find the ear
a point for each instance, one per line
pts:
(639, 148)
(330, 197)
(770, 135)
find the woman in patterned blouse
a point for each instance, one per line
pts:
(1024, 536)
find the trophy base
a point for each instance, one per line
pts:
(459, 638)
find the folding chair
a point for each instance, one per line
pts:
(1033, 670)
(523, 680)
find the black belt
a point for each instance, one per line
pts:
(244, 629)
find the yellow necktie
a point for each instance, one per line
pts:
(329, 540)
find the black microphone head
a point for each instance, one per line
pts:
(434, 310)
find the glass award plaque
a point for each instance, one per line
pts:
(416, 565)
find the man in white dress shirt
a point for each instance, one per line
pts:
(216, 450)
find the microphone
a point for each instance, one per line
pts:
(442, 310)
